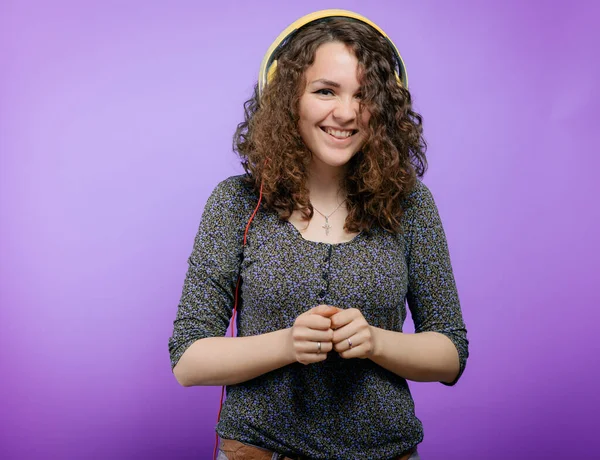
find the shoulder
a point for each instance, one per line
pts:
(228, 207)
(233, 193)
(230, 201)
(420, 197)
(419, 209)
(234, 187)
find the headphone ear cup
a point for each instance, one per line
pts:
(271, 71)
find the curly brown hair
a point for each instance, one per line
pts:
(379, 176)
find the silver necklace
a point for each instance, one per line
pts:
(327, 226)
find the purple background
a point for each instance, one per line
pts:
(115, 124)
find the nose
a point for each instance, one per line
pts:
(346, 110)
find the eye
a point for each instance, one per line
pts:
(324, 92)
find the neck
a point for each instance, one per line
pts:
(325, 187)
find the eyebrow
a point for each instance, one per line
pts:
(326, 82)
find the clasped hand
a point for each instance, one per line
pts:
(324, 328)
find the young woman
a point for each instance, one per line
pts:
(330, 233)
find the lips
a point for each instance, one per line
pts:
(340, 134)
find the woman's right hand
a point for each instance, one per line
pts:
(310, 329)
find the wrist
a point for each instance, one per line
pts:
(288, 346)
(376, 334)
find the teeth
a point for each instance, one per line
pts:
(339, 134)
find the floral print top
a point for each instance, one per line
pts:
(338, 408)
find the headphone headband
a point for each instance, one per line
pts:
(269, 64)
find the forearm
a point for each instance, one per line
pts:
(422, 357)
(231, 360)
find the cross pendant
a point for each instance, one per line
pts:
(326, 226)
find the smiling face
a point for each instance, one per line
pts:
(328, 110)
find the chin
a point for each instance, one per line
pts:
(334, 161)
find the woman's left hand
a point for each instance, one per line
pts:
(353, 337)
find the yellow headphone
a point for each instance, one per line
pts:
(269, 64)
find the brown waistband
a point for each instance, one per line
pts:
(236, 450)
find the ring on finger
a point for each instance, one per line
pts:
(349, 342)
(318, 347)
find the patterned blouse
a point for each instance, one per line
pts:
(337, 408)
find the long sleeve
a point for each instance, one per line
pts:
(206, 303)
(432, 295)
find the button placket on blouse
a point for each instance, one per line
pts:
(326, 269)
